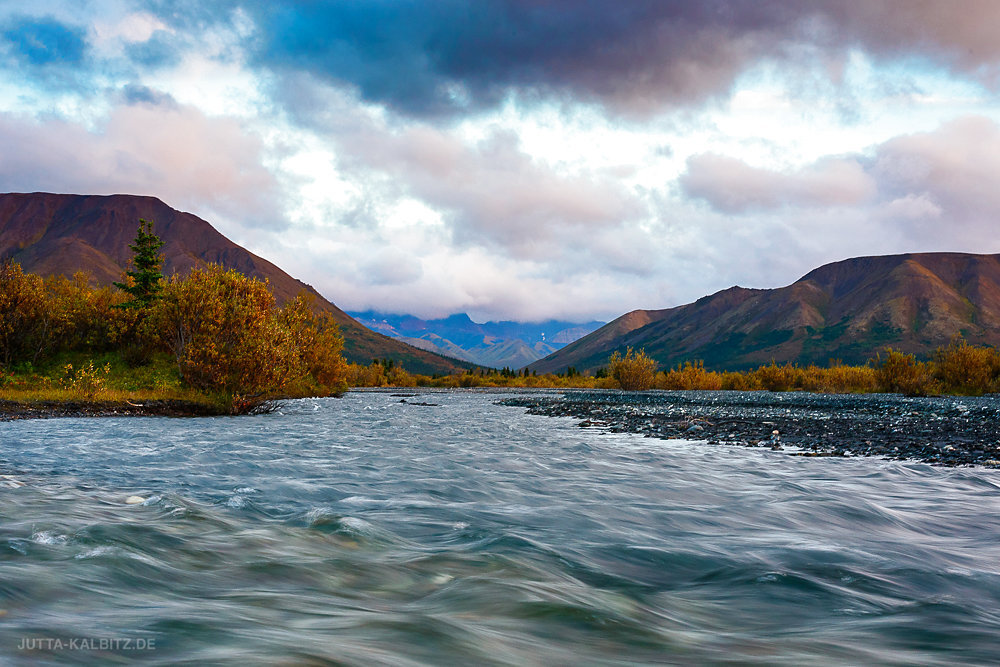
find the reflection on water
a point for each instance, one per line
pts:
(369, 531)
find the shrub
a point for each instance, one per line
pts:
(635, 371)
(903, 374)
(86, 380)
(317, 339)
(777, 378)
(226, 337)
(27, 320)
(372, 375)
(689, 376)
(840, 379)
(966, 369)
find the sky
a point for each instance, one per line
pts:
(521, 159)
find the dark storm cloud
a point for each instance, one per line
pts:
(448, 56)
(43, 41)
(439, 57)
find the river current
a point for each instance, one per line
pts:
(445, 529)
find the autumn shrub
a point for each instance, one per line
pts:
(901, 373)
(86, 380)
(777, 378)
(27, 320)
(470, 379)
(635, 371)
(737, 381)
(398, 377)
(89, 318)
(966, 369)
(689, 376)
(372, 375)
(226, 337)
(841, 379)
(317, 339)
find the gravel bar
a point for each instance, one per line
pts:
(16, 410)
(949, 431)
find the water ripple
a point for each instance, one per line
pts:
(364, 531)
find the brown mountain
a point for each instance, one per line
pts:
(62, 234)
(847, 310)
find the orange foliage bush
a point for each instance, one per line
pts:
(228, 336)
(635, 371)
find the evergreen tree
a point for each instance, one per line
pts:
(146, 280)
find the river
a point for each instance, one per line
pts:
(445, 529)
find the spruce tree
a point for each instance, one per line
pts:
(146, 280)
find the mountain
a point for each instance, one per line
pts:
(62, 234)
(492, 344)
(848, 310)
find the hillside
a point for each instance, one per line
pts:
(492, 344)
(848, 310)
(62, 234)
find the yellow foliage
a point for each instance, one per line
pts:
(86, 380)
(635, 371)
(317, 338)
(26, 317)
(689, 376)
(902, 373)
(961, 368)
(228, 336)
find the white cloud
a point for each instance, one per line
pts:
(210, 166)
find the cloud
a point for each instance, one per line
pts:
(133, 93)
(192, 162)
(391, 266)
(732, 186)
(932, 190)
(955, 167)
(962, 36)
(490, 193)
(450, 57)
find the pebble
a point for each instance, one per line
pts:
(941, 430)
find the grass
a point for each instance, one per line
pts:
(101, 380)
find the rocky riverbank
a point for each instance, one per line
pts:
(14, 410)
(948, 431)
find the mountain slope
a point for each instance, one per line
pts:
(493, 344)
(62, 234)
(847, 310)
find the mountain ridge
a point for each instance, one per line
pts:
(492, 344)
(848, 310)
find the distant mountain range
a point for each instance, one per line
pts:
(847, 310)
(492, 344)
(61, 234)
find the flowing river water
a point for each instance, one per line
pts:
(446, 529)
